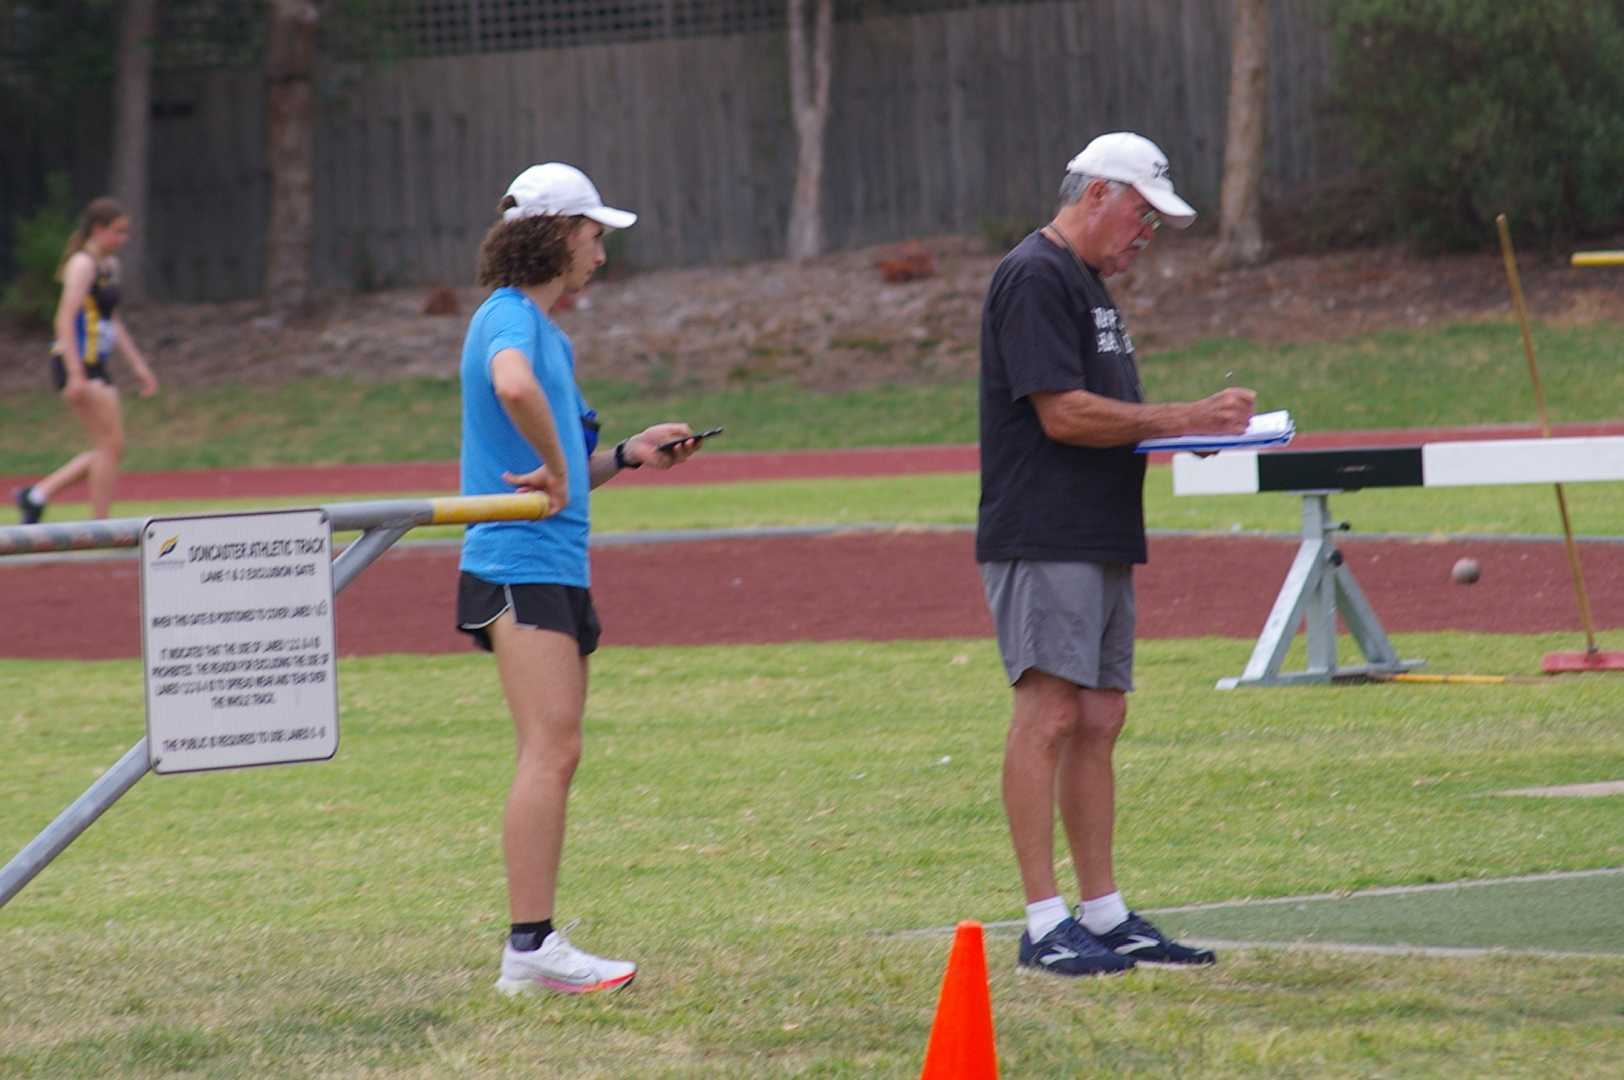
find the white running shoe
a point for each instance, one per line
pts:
(560, 966)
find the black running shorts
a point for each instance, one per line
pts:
(59, 373)
(564, 608)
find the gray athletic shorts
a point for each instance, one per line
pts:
(1073, 620)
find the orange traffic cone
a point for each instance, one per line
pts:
(961, 1040)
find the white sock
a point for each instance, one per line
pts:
(1103, 913)
(1044, 916)
(35, 497)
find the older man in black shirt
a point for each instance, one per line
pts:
(1061, 526)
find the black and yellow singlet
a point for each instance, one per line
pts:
(93, 328)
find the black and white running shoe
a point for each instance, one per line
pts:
(27, 509)
(1068, 949)
(1138, 938)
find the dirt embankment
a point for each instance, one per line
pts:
(834, 322)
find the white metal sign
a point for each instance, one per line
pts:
(237, 640)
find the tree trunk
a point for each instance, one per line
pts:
(809, 107)
(132, 103)
(290, 108)
(1240, 226)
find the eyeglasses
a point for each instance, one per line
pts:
(1151, 218)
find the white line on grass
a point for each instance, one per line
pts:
(1397, 890)
(1571, 791)
(1352, 894)
(1399, 950)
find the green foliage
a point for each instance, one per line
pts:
(32, 294)
(1470, 108)
(57, 46)
(1473, 373)
(999, 234)
(618, 260)
(365, 31)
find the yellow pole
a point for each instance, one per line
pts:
(1598, 258)
(1545, 429)
(467, 509)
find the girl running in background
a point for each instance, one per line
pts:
(88, 329)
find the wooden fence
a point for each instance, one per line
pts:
(939, 122)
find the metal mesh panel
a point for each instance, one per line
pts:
(200, 34)
(206, 34)
(440, 27)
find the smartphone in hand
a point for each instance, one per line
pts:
(674, 443)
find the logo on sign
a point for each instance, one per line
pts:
(167, 547)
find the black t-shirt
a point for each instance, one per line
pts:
(1050, 325)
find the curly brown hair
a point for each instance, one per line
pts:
(526, 251)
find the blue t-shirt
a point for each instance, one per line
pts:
(554, 549)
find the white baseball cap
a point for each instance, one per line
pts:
(564, 190)
(1134, 159)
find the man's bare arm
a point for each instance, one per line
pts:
(1079, 418)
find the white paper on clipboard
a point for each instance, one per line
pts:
(1265, 429)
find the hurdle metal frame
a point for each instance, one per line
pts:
(1318, 586)
(381, 524)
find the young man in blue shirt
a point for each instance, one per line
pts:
(525, 586)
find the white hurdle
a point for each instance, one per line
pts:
(1319, 585)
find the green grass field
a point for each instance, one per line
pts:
(773, 832)
(757, 827)
(950, 499)
(1472, 373)
(1466, 915)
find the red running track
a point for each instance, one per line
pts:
(853, 586)
(872, 586)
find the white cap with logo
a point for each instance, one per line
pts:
(1135, 160)
(562, 190)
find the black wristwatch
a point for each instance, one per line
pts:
(620, 457)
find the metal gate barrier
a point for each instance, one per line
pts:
(381, 524)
